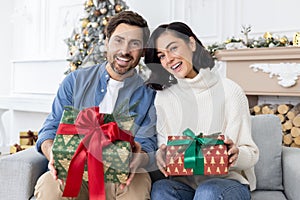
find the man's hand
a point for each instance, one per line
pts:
(47, 151)
(161, 159)
(140, 159)
(233, 151)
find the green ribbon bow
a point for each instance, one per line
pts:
(193, 157)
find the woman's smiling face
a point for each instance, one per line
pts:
(176, 55)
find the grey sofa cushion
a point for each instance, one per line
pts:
(19, 173)
(266, 132)
(267, 195)
(291, 172)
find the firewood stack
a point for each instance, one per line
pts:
(289, 116)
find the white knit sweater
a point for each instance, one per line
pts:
(209, 104)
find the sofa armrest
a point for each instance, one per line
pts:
(19, 173)
(291, 172)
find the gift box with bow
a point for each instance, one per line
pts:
(86, 147)
(28, 138)
(196, 155)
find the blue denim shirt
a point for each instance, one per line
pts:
(86, 88)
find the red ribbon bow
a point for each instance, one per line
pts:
(89, 122)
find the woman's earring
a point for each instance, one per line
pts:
(171, 79)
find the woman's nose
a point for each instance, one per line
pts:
(169, 58)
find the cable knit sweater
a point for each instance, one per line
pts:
(209, 104)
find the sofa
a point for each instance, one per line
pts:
(277, 171)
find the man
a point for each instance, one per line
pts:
(108, 85)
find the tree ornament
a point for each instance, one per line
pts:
(103, 11)
(94, 24)
(85, 45)
(104, 21)
(85, 31)
(284, 40)
(84, 23)
(97, 13)
(268, 36)
(118, 8)
(81, 46)
(73, 66)
(102, 48)
(89, 3)
(76, 36)
(87, 39)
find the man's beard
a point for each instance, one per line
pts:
(112, 65)
(120, 72)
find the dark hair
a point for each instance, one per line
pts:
(130, 18)
(160, 78)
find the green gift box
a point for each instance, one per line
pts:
(115, 156)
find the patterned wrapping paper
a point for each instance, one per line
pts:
(116, 156)
(214, 158)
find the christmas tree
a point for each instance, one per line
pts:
(86, 45)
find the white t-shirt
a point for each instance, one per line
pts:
(108, 103)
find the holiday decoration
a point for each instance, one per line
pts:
(296, 39)
(196, 155)
(86, 44)
(27, 140)
(245, 30)
(287, 73)
(93, 148)
(16, 148)
(268, 40)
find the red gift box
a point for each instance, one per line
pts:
(209, 155)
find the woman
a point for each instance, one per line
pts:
(192, 95)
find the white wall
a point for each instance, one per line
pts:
(6, 41)
(33, 52)
(34, 30)
(155, 11)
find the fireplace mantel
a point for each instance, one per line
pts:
(239, 67)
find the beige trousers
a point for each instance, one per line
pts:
(49, 189)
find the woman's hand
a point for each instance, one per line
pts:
(233, 151)
(161, 159)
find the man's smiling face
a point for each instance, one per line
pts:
(125, 48)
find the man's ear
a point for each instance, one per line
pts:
(192, 43)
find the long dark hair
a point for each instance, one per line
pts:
(161, 78)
